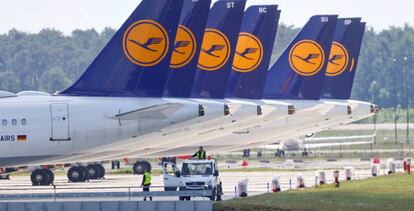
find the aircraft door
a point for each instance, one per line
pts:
(60, 122)
(171, 176)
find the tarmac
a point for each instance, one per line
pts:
(258, 181)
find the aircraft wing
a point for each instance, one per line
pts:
(323, 109)
(152, 112)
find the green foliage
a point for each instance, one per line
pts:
(50, 61)
(381, 193)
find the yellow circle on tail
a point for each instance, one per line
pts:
(215, 50)
(184, 47)
(249, 53)
(145, 43)
(338, 60)
(306, 57)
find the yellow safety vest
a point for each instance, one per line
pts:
(201, 155)
(147, 180)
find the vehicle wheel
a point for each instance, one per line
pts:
(51, 176)
(76, 174)
(93, 171)
(213, 195)
(188, 198)
(101, 171)
(40, 177)
(181, 198)
(118, 164)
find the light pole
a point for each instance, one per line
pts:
(407, 99)
(374, 86)
(394, 61)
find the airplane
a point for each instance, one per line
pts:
(303, 144)
(307, 109)
(129, 96)
(118, 97)
(349, 32)
(254, 15)
(189, 132)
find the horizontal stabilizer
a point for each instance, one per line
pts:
(152, 112)
(321, 108)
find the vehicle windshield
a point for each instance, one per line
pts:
(197, 169)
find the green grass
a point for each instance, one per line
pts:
(394, 192)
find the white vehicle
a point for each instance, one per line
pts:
(194, 175)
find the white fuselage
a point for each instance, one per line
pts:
(50, 127)
(44, 129)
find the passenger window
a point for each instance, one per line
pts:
(4, 122)
(24, 122)
(14, 122)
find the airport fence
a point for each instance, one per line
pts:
(55, 192)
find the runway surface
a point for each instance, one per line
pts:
(258, 181)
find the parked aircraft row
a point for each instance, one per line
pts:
(182, 73)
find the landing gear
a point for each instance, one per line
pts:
(101, 171)
(83, 174)
(93, 171)
(4, 177)
(140, 167)
(42, 177)
(115, 164)
(77, 174)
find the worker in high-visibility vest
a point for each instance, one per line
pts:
(200, 154)
(146, 183)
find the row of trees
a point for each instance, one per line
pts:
(50, 61)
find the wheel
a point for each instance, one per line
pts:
(181, 198)
(101, 171)
(112, 164)
(51, 176)
(86, 173)
(213, 195)
(76, 174)
(4, 177)
(40, 177)
(93, 171)
(147, 165)
(140, 167)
